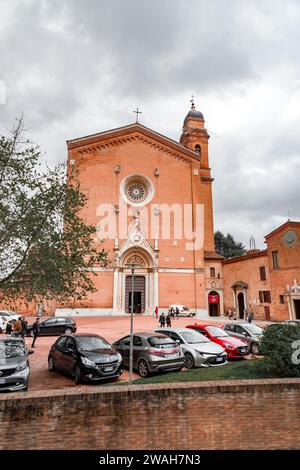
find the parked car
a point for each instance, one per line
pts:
(14, 365)
(9, 315)
(293, 322)
(3, 323)
(152, 352)
(234, 347)
(55, 326)
(85, 357)
(183, 310)
(198, 350)
(248, 332)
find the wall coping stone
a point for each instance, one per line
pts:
(117, 392)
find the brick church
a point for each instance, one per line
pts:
(151, 200)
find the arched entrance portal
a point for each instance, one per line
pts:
(241, 304)
(213, 304)
(145, 284)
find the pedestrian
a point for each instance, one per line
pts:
(168, 320)
(9, 328)
(24, 324)
(172, 312)
(249, 317)
(162, 320)
(156, 312)
(17, 327)
(177, 313)
(35, 331)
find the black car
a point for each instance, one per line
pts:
(55, 326)
(14, 365)
(86, 357)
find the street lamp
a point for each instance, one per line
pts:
(132, 266)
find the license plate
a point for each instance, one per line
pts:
(2, 381)
(108, 369)
(171, 356)
(219, 359)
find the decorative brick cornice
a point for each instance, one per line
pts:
(133, 138)
(128, 134)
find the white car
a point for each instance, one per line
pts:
(183, 310)
(9, 315)
(3, 322)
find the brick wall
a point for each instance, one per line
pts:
(261, 414)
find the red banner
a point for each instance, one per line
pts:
(213, 299)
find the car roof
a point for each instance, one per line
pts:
(12, 338)
(175, 330)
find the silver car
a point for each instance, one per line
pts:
(198, 350)
(247, 332)
(152, 353)
(14, 365)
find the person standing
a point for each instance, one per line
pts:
(177, 313)
(35, 331)
(156, 312)
(162, 320)
(24, 324)
(168, 320)
(9, 328)
(17, 327)
(249, 317)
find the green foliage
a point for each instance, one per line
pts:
(47, 250)
(227, 246)
(277, 348)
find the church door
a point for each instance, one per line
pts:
(138, 294)
(297, 309)
(241, 305)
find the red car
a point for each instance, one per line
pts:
(235, 348)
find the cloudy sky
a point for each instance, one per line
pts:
(75, 67)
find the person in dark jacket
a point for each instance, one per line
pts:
(9, 327)
(24, 324)
(168, 320)
(162, 320)
(35, 331)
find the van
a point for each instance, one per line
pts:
(183, 310)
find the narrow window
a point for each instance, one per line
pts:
(262, 272)
(261, 297)
(198, 149)
(281, 299)
(275, 259)
(212, 272)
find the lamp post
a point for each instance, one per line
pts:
(132, 266)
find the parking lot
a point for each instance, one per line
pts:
(111, 328)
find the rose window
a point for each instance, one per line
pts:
(136, 192)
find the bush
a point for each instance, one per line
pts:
(277, 348)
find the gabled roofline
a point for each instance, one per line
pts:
(288, 223)
(130, 128)
(250, 255)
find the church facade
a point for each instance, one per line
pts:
(150, 198)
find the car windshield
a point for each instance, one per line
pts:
(193, 337)
(216, 332)
(92, 343)
(254, 330)
(161, 343)
(10, 348)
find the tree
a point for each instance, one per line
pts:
(227, 246)
(47, 250)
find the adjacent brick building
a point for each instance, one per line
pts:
(266, 282)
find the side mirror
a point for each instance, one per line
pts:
(178, 342)
(244, 333)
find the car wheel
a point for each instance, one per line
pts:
(191, 315)
(68, 331)
(51, 364)
(189, 361)
(143, 369)
(77, 375)
(254, 349)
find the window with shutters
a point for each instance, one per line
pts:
(262, 273)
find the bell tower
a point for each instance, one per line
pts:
(195, 137)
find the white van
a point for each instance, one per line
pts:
(183, 310)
